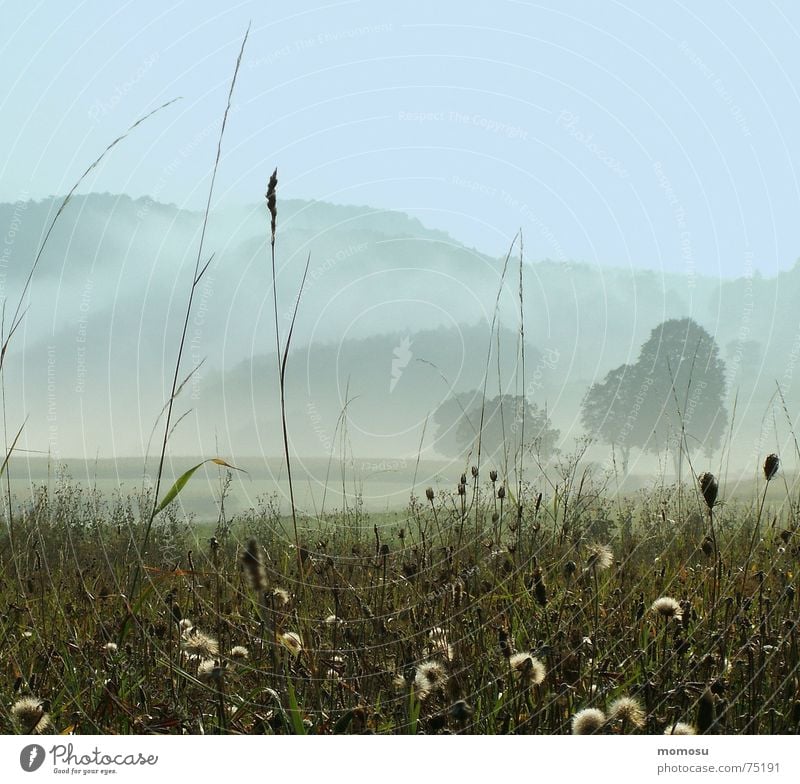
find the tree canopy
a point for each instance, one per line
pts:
(671, 399)
(510, 424)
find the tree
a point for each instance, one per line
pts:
(671, 399)
(507, 419)
(607, 411)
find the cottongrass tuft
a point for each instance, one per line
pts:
(600, 557)
(30, 717)
(527, 668)
(588, 721)
(667, 607)
(195, 643)
(628, 711)
(680, 728)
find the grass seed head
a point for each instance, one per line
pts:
(709, 487)
(253, 565)
(272, 202)
(771, 465)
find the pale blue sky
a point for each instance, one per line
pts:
(626, 133)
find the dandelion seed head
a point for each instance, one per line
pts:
(29, 715)
(600, 557)
(667, 607)
(627, 710)
(292, 642)
(195, 643)
(527, 668)
(588, 721)
(680, 728)
(430, 676)
(281, 596)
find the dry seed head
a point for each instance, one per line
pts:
(430, 677)
(589, 721)
(254, 567)
(539, 588)
(771, 465)
(527, 668)
(205, 670)
(272, 202)
(292, 642)
(627, 710)
(239, 653)
(501, 492)
(709, 488)
(281, 596)
(429, 494)
(461, 710)
(600, 557)
(667, 608)
(493, 475)
(110, 648)
(30, 717)
(195, 643)
(680, 728)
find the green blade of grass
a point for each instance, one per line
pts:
(183, 479)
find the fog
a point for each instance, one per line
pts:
(395, 319)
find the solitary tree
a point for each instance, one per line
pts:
(507, 420)
(608, 411)
(671, 399)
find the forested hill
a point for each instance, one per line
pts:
(97, 346)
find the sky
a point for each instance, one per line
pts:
(633, 134)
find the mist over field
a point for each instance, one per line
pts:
(395, 320)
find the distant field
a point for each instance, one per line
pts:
(383, 484)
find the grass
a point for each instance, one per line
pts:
(342, 629)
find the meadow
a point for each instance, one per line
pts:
(479, 609)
